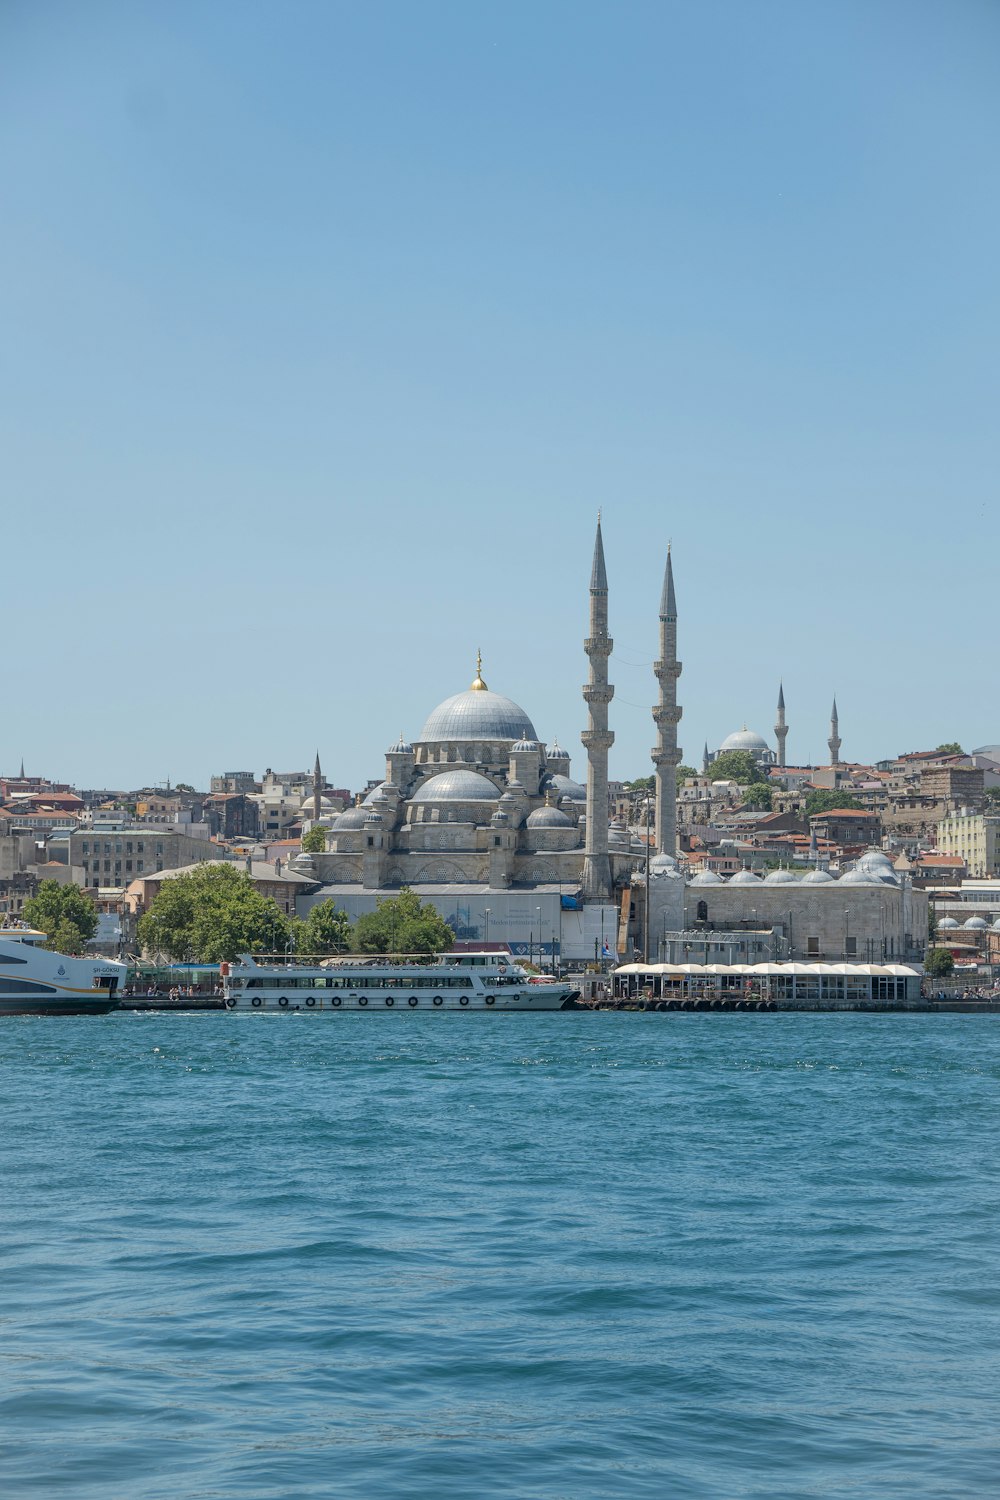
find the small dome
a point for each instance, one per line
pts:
(556, 752)
(706, 877)
(996, 925)
(858, 876)
(879, 865)
(744, 739)
(354, 817)
(818, 877)
(977, 924)
(949, 923)
(500, 818)
(744, 877)
(457, 786)
(781, 877)
(522, 745)
(548, 817)
(376, 791)
(401, 747)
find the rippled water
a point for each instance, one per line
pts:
(561, 1256)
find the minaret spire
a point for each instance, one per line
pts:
(666, 716)
(597, 737)
(317, 790)
(781, 728)
(834, 741)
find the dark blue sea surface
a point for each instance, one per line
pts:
(545, 1257)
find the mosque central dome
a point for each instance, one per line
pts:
(743, 739)
(477, 714)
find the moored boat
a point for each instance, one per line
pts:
(34, 981)
(489, 982)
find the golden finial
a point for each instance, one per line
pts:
(479, 685)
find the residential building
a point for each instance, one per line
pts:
(975, 837)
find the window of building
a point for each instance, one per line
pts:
(86, 846)
(812, 947)
(128, 864)
(139, 864)
(852, 947)
(140, 847)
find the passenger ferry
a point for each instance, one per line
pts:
(37, 982)
(452, 982)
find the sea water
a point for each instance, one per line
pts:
(549, 1257)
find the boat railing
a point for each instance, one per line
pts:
(356, 960)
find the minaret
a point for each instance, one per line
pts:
(834, 740)
(705, 762)
(317, 790)
(781, 728)
(598, 738)
(666, 714)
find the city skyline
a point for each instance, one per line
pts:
(327, 342)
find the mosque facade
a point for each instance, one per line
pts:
(479, 816)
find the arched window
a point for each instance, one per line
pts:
(702, 911)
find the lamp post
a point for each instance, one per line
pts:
(538, 914)
(486, 914)
(847, 918)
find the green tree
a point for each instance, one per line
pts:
(183, 786)
(992, 795)
(686, 773)
(64, 913)
(938, 962)
(736, 765)
(758, 796)
(951, 748)
(314, 842)
(641, 784)
(325, 930)
(400, 924)
(821, 801)
(211, 913)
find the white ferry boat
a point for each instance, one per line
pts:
(37, 982)
(454, 981)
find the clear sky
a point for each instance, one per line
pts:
(327, 328)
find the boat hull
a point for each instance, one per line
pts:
(57, 1005)
(380, 1004)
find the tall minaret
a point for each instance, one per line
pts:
(598, 738)
(834, 740)
(317, 790)
(666, 714)
(781, 728)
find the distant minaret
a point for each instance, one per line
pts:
(598, 738)
(781, 728)
(834, 740)
(22, 767)
(705, 762)
(666, 714)
(317, 790)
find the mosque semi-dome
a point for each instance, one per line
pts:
(457, 786)
(565, 786)
(817, 877)
(354, 817)
(781, 877)
(744, 877)
(947, 922)
(548, 817)
(976, 924)
(706, 877)
(744, 739)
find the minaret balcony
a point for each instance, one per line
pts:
(667, 669)
(666, 757)
(597, 739)
(598, 692)
(667, 713)
(598, 645)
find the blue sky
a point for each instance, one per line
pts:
(329, 327)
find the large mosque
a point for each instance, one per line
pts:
(479, 816)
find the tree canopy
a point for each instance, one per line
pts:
(938, 962)
(64, 913)
(401, 924)
(821, 801)
(211, 913)
(324, 930)
(314, 842)
(641, 784)
(758, 796)
(686, 773)
(736, 765)
(992, 794)
(951, 748)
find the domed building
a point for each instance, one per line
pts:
(742, 739)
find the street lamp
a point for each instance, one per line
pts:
(486, 914)
(538, 914)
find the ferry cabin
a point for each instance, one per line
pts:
(767, 986)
